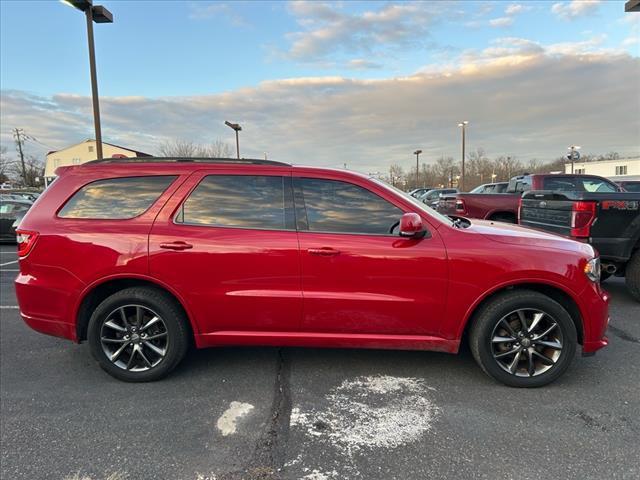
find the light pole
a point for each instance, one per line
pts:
(573, 155)
(98, 14)
(417, 154)
(237, 128)
(464, 127)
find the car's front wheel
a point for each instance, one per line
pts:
(138, 334)
(523, 338)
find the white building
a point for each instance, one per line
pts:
(620, 169)
(84, 152)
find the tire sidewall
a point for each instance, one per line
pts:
(497, 310)
(161, 305)
(632, 275)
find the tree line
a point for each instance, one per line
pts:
(479, 169)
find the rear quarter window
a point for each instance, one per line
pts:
(116, 198)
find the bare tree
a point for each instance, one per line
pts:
(479, 168)
(5, 164)
(508, 166)
(30, 171)
(396, 176)
(187, 148)
(445, 169)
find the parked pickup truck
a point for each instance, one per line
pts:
(610, 222)
(503, 207)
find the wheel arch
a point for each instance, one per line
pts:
(555, 292)
(99, 291)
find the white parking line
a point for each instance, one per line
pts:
(9, 307)
(10, 270)
(8, 263)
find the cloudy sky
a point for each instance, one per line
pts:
(362, 83)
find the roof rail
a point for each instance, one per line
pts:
(246, 161)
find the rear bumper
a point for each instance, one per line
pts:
(46, 296)
(51, 327)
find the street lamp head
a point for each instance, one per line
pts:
(83, 5)
(417, 152)
(462, 124)
(234, 126)
(574, 147)
(101, 14)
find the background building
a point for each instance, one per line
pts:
(619, 169)
(84, 152)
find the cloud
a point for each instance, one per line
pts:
(521, 98)
(327, 30)
(515, 8)
(575, 8)
(501, 22)
(510, 12)
(207, 10)
(362, 64)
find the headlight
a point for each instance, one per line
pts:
(592, 269)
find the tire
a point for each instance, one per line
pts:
(632, 275)
(145, 349)
(488, 325)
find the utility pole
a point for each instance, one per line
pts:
(18, 135)
(236, 127)
(464, 127)
(417, 154)
(98, 14)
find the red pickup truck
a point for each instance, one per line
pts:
(503, 207)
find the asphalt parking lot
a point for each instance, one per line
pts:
(311, 413)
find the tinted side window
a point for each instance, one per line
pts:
(116, 198)
(341, 207)
(564, 184)
(595, 185)
(242, 201)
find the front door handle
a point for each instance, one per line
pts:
(324, 251)
(177, 245)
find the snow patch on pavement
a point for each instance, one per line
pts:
(371, 412)
(228, 420)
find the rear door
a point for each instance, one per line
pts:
(358, 274)
(226, 242)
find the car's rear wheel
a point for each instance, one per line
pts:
(632, 275)
(138, 334)
(523, 339)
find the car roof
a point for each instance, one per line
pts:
(188, 160)
(163, 165)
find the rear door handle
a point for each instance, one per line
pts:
(324, 251)
(177, 245)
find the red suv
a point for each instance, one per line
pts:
(140, 257)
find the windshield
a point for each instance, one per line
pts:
(417, 203)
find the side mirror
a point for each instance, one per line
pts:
(411, 226)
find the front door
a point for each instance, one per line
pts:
(227, 244)
(358, 274)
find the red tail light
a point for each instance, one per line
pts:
(582, 216)
(519, 210)
(26, 240)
